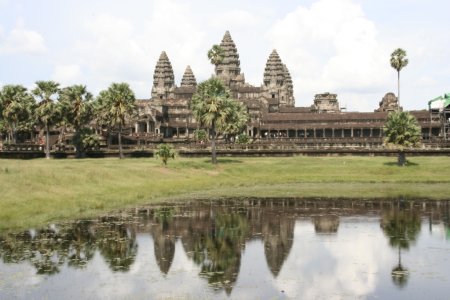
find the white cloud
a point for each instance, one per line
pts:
(21, 40)
(332, 46)
(67, 74)
(237, 18)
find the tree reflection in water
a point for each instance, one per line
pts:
(401, 227)
(213, 235)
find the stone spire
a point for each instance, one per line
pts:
(188, 78)
(289, 87)
(275, 70)
(278, 84)
(230, 66)
(163, 78)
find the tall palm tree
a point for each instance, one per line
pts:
(216, 55)
(402, 131)
(46, 112)
(16, 106)
(117, 104)
(398, 62)
(212, 108)
(76, 107)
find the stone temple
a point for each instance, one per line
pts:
(271, 106)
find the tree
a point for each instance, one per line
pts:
(76, 109)
(216, 55)
(117, 104)
(398, 62)
(46, 113)
(16, 107)
(213, 108)
(165, 152)
(401, 131)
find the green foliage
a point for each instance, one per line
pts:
(114, 106)
(398, 59)
(398, 62)
(75, 109)
(16, 108)
(84, 140)
(401, 131)
(200, 135)
(243, 139)
(214, 108)
(165, 151)
(44, 92)
(76, 106)
(46, 112)
(216, 55)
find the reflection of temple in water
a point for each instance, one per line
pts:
(213, 234)
(326, 224)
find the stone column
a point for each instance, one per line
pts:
(136, 127)
(351, 132)
(314, 132)
(148, 126)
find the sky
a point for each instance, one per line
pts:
(337, 46)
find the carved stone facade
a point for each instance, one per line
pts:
(388, 103)
(271, 106)
(326, 103)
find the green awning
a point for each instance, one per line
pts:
(439, 102)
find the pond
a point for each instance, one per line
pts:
(237, 249)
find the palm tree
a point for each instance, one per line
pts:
(216, 55)
(16, 106)
(398, 62)
(117, 104)
(401, 131)
(46, 112)
(76, 107)
(212, 107)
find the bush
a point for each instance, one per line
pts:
(243, 139)
(165, 151)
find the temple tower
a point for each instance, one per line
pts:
(278, 86)
(188, 78)
(229, 68)
(163, 78)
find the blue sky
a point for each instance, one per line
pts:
(339, 46)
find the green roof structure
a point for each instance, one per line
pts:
(439, 103)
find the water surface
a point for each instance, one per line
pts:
(238, 249)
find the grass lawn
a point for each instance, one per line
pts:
(34, 192)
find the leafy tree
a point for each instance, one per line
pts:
(398, 62)
(46, 112)
(165, 152)
(216, 55)
(116, 104)
(213, 108)
(401, 131)
(16, 106)
(76, 109)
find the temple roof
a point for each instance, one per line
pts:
(163, 76)
(188, 78)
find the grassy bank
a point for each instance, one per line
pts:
(37, 191)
